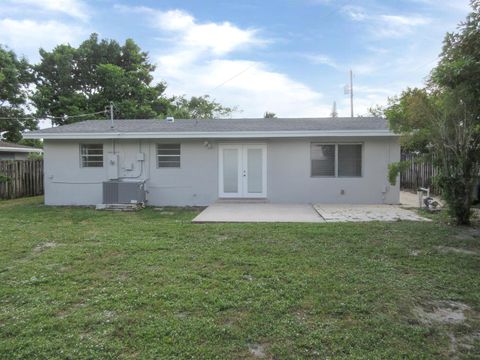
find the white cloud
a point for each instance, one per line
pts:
(196, 64)
(256, 90)
(386, 25)
(398, 26)
(73, 8)
(217, 38)
(27, 36)
(322, 59)
(398, 20)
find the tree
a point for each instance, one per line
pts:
(73, 81)
(443, 120)
(15, 79)
(269, 115)
(459, 67)
(410, 115)
(201, 107)
(334, 112)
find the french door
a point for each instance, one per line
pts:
(243, 170)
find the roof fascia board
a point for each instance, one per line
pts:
(207, 135)
(23, 150)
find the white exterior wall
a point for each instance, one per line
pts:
(196, 181)
(290, 181)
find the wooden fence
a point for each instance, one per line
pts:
(24, 178)
(418, 174)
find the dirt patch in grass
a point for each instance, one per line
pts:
(182, 315)
(44, 246)
(462, 343)
(257, 350)
(247, 277)
(164, 211)
(455, 250)
(454, 316)
(441, 312)
(301, 316)
(109, 315)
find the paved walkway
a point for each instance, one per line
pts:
(258, 212)
(361, 213)
(265, 212)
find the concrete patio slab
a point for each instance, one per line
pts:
(258, 212)
(359, 213)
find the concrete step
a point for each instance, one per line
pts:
(119, 207)
(241, 201)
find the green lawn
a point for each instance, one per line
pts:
(81, 284)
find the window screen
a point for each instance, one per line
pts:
(168, 155)
(350, 160)
(91, 155)
(323, 160)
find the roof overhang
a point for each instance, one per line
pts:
(210, 135)
(22, 150)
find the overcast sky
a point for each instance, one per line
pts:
(290, 57)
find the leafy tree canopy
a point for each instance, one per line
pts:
(201, 107)
(410, 114)
(269, 115)
(459, 67)
(442, 120)
(72, 81)
(84, 80)
(15, 78)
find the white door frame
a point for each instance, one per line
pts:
(242, 170)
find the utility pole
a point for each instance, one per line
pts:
(111, 114)
(351, 93)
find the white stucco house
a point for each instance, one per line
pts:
(196, 162)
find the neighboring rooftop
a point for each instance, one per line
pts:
(222, 127)
(12, 147)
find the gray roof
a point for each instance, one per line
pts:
(221, 125)
(8, 146)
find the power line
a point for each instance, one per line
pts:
(234, 76)
(425, 64)
(19, 118)
(343, 3)
(339, 7)
(51, 117)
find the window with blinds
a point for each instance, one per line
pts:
(323, 160)
(91, 155)
(349, 160)
(336, 160)
(168, 155)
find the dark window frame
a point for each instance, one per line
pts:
(314, 144)
(336, 159)
(89, 156)
(359, 158)
(171, 158)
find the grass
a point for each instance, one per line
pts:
(81, 284)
